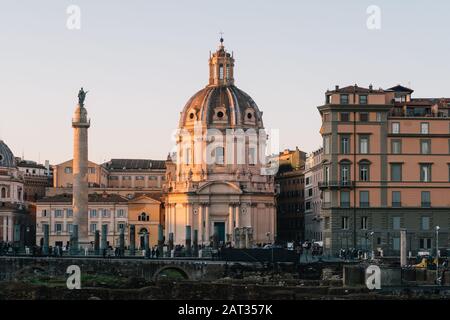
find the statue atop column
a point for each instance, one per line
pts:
(81, 96)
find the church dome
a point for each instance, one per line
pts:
(6, 156)
(221, 104)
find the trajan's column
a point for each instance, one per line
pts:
(80, 124)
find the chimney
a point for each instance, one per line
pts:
(370, 87)
(337, 87)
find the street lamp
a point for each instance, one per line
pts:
(371, 245)
(437, 254)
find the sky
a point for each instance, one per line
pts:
(141, 60)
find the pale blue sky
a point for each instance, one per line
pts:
(142, 60)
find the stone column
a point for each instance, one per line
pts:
(122, 241)
(146, 244)
(46, 239)
(104, 244)
(230, 222)
(200, 224)
(10, 229)
(5, 232)
(160, 239)
(132, 239)
(195, 243)
(170, 242)
(188, 240)
(238, 216)
(97, 242)
(167, 219)
(403, 253)
(74, 245)
(207, 225)
(80, 124)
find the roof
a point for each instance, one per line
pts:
(400, 88)
(94, 197)
(134, 164)
(356, 89)
(6, 156)
(236, 107)
(30, 164)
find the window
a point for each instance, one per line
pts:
(326, 117)
(425, 243)
(363, 172)
(326, 174)
(126, 178)
(363, 99)
(93, 213)
(120, 213)
(424, 127)
(219, 155)
(396, 146)
(328, 99)
(345, 145)
(307, 205)
(396, 223)
(395, 127)
(58, 227)
(44, 213)
(139, 177)
(345, 199)
(310, 192)
(396, 243)
(93, 227)
(345, 174)
(364, 224)
(364, 116)
(152, 178)
(69, 213)
(120, 226)
(425, 199)
(425, 172)
(396, 199)
(327, 222)
(187, 156)
(326, 144)
(364, 199)
(105, 213)
(221, 71)
(91, 170)
(345, 117)
(68, 170)
(364, 144)
(378, 116)
(251, 156)
(396, 172)
(58, 213)
(344, 98)
(425, 146)
(307, 180)
(344, 223)
(425, 223)
(69, 228)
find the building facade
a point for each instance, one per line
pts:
(15, 220)
(216, 188)
(37, 178)
(290, 181)
(313, 202)
(385, 168)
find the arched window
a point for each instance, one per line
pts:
(143, 217)
(221, 71)
(3, 193)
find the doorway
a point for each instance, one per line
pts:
(219, 228)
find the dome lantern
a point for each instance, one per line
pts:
(221, 65)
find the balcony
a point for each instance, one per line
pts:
(426, 204)
(336, 184)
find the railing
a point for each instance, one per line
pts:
(364, 204)
(396, 204)
(426, 204)
(337, 184)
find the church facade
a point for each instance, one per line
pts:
(217, 186)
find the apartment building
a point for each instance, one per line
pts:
(386, 167)
(313, 202)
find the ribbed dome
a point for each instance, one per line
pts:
(222, 106)
(6, 156)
